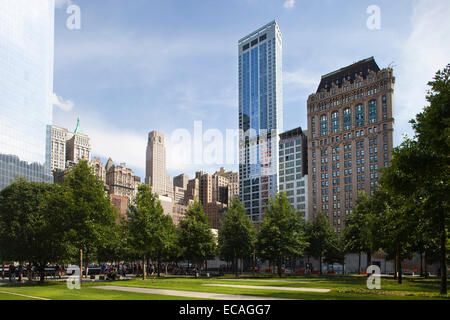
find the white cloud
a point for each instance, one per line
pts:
(301, 79)
(62, 3)
(65, 105)
(289, 4)
(425, 51)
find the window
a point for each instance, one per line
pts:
(323, 125)
(372, 111)
(335, 122)
(359, 115)
(347, 119)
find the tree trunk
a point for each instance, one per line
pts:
(159, 268)
(86, 271)
(165, 268)
(236, 266)
(3, 270)
(206, 266)
(144, 269)
(443, 264)
(421, 264)
(81, 266)
(279, 267)
(426, 267)
(21, 271)
(359, 263)
(395, 267)
(399, 268)
(368, 260)
(320, 264)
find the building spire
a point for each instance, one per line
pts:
(78, 128)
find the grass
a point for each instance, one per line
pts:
(342, 288)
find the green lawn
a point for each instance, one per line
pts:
(342, 288)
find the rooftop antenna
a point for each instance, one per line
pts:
(392, 65)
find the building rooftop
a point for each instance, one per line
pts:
(78, 127)
(247, 37)
(349, 73)
(292, 133)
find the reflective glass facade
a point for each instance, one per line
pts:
(26, 88)
(260, 116)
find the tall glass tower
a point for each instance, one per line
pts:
(260, 117)
(26, 88)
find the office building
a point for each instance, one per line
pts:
(294, 168)
(181, 181)
(215, 193)
(58, 148)
(121, 180)
(26, 89)
(260, 117)
(78, 145)
(350, 137)
(155, 175)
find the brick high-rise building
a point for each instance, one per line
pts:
(181, 181)
(215, 192)
(350, 137)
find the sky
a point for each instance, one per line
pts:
(143, 65)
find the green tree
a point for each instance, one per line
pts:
(196, 238)
(237, 235)
(33, 223)
(117, 247)
(320, 236)
(281, 234)
(360, 231)
(432, 174)
(165, 244)
(142, 225)
(336, 252)
(92, 219)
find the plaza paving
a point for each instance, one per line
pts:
(188, 294)
(267, 287)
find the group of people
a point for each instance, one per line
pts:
(16, 273)
(111, 271)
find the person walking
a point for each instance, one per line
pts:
(12, 272)
(20, 272)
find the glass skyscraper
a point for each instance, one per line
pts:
(26, 89)
(260, 117)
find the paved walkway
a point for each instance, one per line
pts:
(23, 295)
(262, 280)
(267, 287)
(187, 294)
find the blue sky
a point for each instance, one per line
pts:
(142, 65)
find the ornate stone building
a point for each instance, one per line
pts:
(350, 137)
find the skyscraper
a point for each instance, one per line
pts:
(350, 137)
(260, 116)
(155, 173)
(26, 89)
